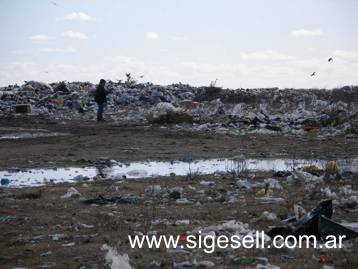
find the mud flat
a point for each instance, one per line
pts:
(87, 142)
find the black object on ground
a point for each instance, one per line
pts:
(100, 200)
(23, 108)
(317, 222)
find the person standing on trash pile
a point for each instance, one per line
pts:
(100, 97)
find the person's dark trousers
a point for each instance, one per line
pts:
(100, 111)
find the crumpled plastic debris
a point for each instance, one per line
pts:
(116, 260)
(71, 193)
(268, 216)
(194, 264)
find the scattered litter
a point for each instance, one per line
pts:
(322, 259)
(7, 218)
(273, 183)
(325, 266)
(182, 222)
(207, 183)
(267, 266)
(328, 193)
(57, 237)
(242, 261)
(332, 167)
(287, 111)
(84, 226)
(153, 190)
(262, 192)
(312, 169)
(71, 193)
(127, 199)
(287, 258)
(152, 233)
(268, 216)
(5, 181)
(48, 253)
(69, 244)
(194, 264)
(182, 201)
(114, 259)
(244, 184)
(270, 199)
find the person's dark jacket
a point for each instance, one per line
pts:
(100, 95)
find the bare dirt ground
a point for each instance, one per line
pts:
(88, 141)
(47, 231)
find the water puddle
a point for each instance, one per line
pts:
(12, 136)
(38, 177)
(23, 133)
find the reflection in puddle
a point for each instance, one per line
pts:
(37, 177)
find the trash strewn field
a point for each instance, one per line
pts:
(163, 164)
(206, 109)
(53, 227)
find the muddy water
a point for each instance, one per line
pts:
(38, 177)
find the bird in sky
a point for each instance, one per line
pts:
(313, 74)
(330, 59)
(54, 3)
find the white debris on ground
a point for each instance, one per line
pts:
(207, 183)
(343, 196)
(266, 266)
(328, 193)
(244, 184)
(273, 183)
(71, 193)
(268, 216)
(153, 189)
(194, 264)
(182, 222)
(114, 259)
(232, 226)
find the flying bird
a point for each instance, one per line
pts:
(313, 74)
(54, 3)
(330, 59)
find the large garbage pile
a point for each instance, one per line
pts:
(209, 109)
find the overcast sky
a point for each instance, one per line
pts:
(252, 43)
